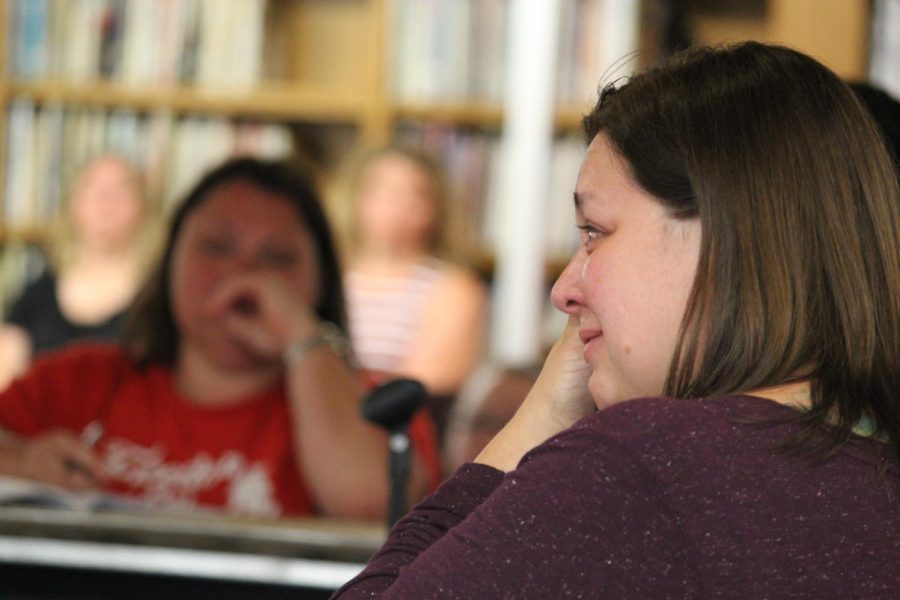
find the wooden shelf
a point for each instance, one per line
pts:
(471, 114)
(833, 31)
(485, 264)
(28, 235)
(568, 118)
(479, 114)
(302, 103)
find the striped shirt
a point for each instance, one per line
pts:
(385, 313)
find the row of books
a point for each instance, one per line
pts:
(884, 53)
(49, 144)
(599, 41)
(453, 50)
(137, 42)
(447, 49)
(52, 143)
(471, 160)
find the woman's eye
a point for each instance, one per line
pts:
(589, 234)
(216, 247)
(279, 258)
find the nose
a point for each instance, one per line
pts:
(242, 263)
(566, 294)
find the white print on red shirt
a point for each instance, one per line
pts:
(177, 484)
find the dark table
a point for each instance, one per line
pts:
(53, 554)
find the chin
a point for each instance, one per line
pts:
(237, 360)
(606, 393)
(601, 393)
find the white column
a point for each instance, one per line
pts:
(519, 294)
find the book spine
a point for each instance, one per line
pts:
(884, 68)
(29, 38)
(20, 166)
(47, 162)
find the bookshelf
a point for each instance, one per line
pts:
(331, 66)
(328, 61)
(835, 32)
(266, 101)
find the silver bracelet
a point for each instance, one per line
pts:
(327, 333)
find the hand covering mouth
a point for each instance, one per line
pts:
(245, 305)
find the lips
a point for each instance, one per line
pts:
(587, 335)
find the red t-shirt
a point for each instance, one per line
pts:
(170, 453)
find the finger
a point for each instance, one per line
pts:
(80, 462)
(79, 477)
(283, 314)
(570, 333)
(250, 332)
(238, 294)
(52, 471)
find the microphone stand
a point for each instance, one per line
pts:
(400, 447)
(392, 406)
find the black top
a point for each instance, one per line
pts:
(37, 311)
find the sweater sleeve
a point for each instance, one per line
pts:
(424, 525)
(579, 517)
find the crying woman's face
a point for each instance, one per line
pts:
(238, 230)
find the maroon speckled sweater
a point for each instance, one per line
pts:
(654, 498)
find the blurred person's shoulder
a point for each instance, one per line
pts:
(76, 377)
(86, 359)
(33, 301)
(455, 278)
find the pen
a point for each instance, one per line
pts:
(90, 435)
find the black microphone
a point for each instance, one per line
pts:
(391, 406)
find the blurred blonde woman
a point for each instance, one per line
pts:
(97, 262)
(414, 310)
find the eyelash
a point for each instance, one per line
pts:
(221, 248)
(589, 234)
(280, 258)
(216, 246)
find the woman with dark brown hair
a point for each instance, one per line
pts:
(233, 389)
(721, 417)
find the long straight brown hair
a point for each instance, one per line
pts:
(799, 268)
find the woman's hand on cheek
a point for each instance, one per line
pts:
(562, 386)
(558, 398)
(262, 312)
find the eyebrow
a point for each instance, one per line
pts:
(213, 220)
(579, 202)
